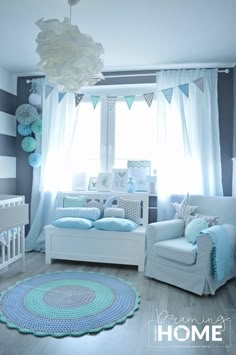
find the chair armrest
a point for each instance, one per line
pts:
(171, 229)
(204, 249)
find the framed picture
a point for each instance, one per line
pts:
(119, 180)
(139, 170)
(104, 182)
(92, 185)
(79, 182)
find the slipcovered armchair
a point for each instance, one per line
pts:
(171, 258)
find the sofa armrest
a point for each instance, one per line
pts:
(155, 232)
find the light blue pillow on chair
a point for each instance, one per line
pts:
(194, 228)
(115, 224)
(73, 223)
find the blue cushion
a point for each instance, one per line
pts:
(70, 201)
(115, 224)
(194, 228)
(92, 213)
(72, 222)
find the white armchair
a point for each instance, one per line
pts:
(172, 259)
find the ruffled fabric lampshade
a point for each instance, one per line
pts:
(69, 58)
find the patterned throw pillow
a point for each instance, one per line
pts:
(91, 213)
(132, 209)
(97, 204)
(114, 212)
(183, 209)
(211, 220)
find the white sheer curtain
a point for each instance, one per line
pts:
(188, 155)
(59, 125)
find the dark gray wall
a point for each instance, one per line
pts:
(225, 99)
(7, 143)
(24, 172)
(234, 103)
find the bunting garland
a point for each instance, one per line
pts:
(60, 96)
(78, 98)
(200, 84)
(111, 102)
(185, 89)
(168, 93)
(129, 100)
(95, 100)
(48, 90)
(148, 98)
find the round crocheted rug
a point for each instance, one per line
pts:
(68, 303)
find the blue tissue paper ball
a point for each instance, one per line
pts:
(24, 130)
(36, 126)
(28, 144)
(35, 160)
(26, 114)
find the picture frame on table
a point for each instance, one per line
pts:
(119, 180)
(79, 182)
(92, 185)
(139, 170)
(104, 182)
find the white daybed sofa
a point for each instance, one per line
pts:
(94, 245)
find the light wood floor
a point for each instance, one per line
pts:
(132, 337)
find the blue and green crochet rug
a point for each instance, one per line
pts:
(68, 303)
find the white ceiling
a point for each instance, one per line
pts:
(140, 34)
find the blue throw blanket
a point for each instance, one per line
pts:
(220, 251)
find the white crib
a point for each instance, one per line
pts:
(13, 217)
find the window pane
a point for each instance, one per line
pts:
(135, 132)
(86, 151)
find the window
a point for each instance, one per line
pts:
(109, 135)
(135, 132)
(86, 147)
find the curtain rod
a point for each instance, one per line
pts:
(226, 71)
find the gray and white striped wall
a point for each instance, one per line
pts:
(8, 101)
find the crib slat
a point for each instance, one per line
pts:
(3, 253)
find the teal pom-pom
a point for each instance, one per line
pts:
(36, 127)
(24, 130)
(35, 160)
(26, 114)
(28, 144)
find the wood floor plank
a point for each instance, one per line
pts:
(132, 337)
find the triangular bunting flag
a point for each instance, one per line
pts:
(95, 101)
(48, 90)
(129, 100)
(185, 89)
(78, 98)
(200, 84)
(60, 96)
(168, 94)
(149, 97)
(111, 102)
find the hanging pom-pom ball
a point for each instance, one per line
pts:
(36, 127)
(28, 144)
(35, 160)
(35, 99)
(24, 130)
(26, 114)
